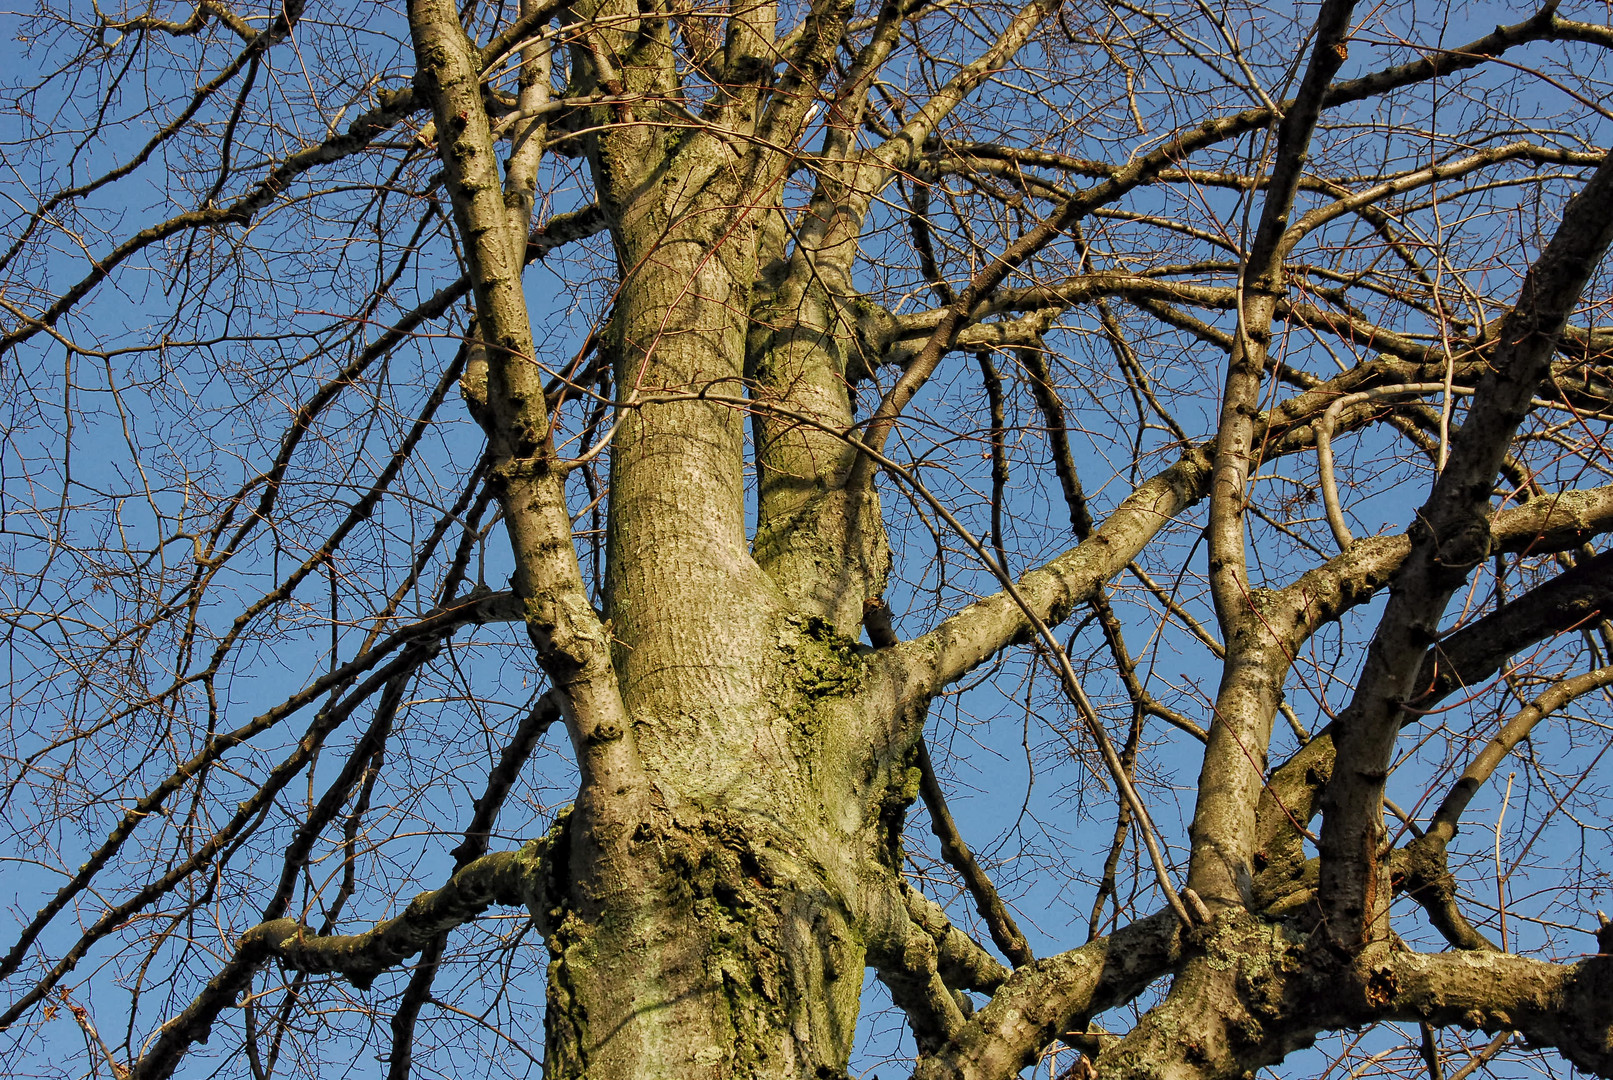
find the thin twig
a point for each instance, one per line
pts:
(1324, 444)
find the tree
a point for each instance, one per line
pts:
(825, 360)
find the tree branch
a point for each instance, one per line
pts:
(1569, 1007)
(965, 640)
(1466, 657)
(1004, 932)
(1473, 654)
(506, 877)
(1040, 1002)
(1450, 537)
(474, 845)
(571, 642)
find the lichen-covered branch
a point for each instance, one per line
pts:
(1040, 1002)
(1569, 1007)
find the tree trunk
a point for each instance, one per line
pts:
(719, 929)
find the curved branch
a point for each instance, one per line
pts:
(1506, 740)
(1422, 872)
(1324, 446)
(393, 107)
(506, 877)
(1040, 1002)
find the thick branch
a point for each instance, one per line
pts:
(964, 641)
(1568, 1007)
(962, 963)
(1463, 659)
(1472, 655)
(571, 642)
(1451, 536)
(1042, 1001)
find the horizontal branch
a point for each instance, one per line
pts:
(1569, 1007)
(1008, 162)
(1154, 293)
(505, 877)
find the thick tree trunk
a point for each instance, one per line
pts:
(721, 953)
(724, 931)
(720, 927)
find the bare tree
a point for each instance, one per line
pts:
(1176, 433)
